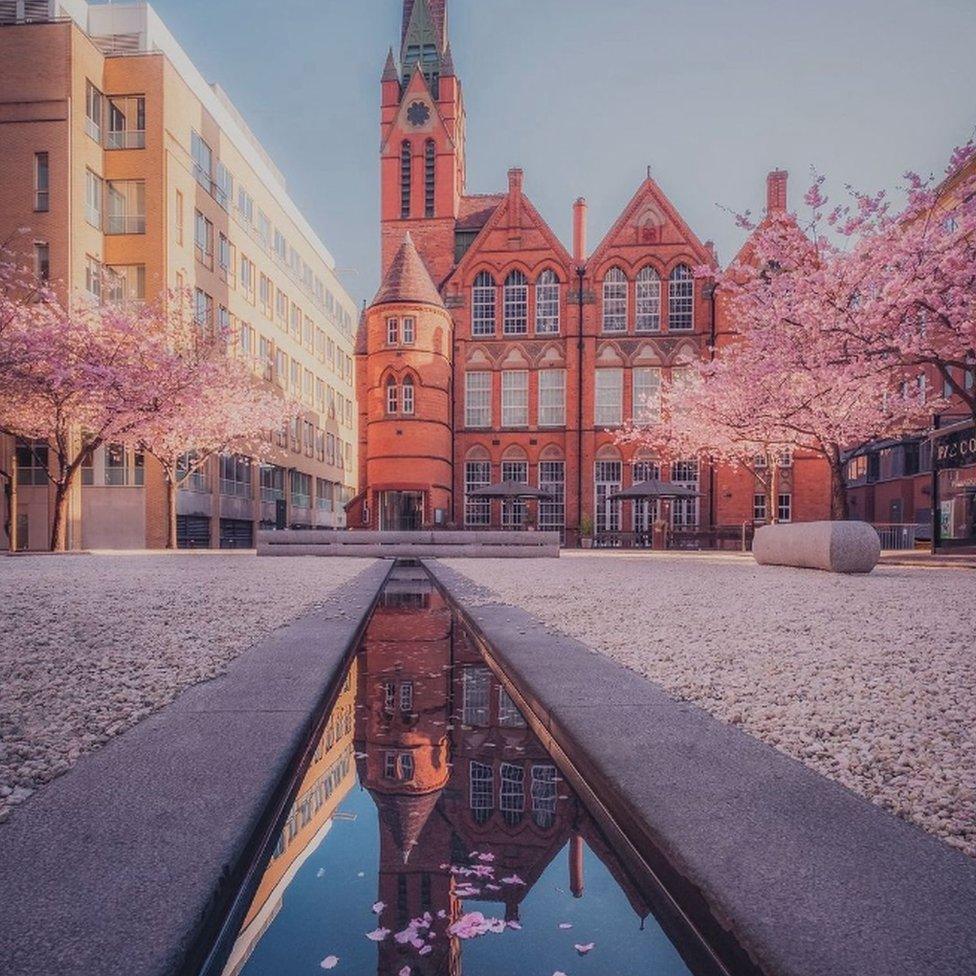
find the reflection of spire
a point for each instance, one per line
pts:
(405, 817)
(576, 865)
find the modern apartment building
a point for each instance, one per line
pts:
(135, 175)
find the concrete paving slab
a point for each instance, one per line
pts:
(811, 879)
(118, 864)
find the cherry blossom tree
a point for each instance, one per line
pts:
(220, 407)
(904, 293)
(78, 385)
(20, 289)
(771, 394)
(812, 364)
(126, 374)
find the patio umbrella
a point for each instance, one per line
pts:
(510, 489)
(654, 489)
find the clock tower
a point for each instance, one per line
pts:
(422, 141)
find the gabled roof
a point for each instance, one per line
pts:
(531, 217)
(408, 279)
(416, 88)
(649, 192)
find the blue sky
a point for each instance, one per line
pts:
(584, 94)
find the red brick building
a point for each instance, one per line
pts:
(492, 353)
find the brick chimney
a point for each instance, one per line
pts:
(776, 191)
(515, 180)
(579, 230)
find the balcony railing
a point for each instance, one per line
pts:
(125, 224)
(126, 139)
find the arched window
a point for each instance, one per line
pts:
(615, 301)
(648, 301)
(483, 305)
(406, 177)
(430, 172)
(516, 320)
(392, 396)
(681, 299)
(408, 398)
(547, 303)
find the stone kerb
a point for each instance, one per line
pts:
(361, 543)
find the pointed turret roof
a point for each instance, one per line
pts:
(362, 335)
(390, 72)
(436, 14)
(447, 61)
(405, 817)
(408, 279)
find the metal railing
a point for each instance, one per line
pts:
(895, 535)
(125, 139)
(125, 223)
(727, 537)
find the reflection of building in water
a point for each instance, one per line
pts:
(329, 778)
(454, 770)
(505, 789)
(404, 701)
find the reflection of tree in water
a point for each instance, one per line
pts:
(455, 773)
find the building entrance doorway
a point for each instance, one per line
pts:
(401, 511)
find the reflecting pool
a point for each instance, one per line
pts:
(433, 835)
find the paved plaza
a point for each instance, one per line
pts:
(868, 679)
(89, 645)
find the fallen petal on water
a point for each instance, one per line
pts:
(377, 935)
(584, 949)
(378, 907)
(329, 962)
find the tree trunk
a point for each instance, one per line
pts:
(10, 492)
(171, 541)
(839, 509)
(59, 523)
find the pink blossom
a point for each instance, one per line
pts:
(378, 908)
(377, 935)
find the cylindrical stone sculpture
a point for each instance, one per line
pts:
(837, 547)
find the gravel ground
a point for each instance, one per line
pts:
(89, 645)
(869, 680)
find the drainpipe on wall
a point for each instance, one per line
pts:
(713, 332)
(580, 212)
(580, 274)
(453, 401)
